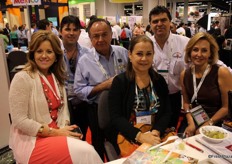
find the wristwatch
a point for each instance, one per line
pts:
(211, 122)
(41, 129)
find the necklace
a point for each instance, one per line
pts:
(72, 54)
(54, 102)
(72, 60)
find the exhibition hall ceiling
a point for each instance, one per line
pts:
(215, 4)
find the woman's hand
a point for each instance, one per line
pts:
(68, 131)
(205, 124)
(190, 130)
(149, 137)
(155, 133)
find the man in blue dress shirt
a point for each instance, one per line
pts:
(95, 72)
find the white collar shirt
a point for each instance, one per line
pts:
(114, 33)
(171, 59)
(118, 29)
(84, 39)
(181, 31)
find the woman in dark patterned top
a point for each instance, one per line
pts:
(139, 95)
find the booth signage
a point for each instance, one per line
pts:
(26, 2)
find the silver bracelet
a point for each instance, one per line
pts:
(211, 122)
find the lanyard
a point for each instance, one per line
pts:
(137, 95)
(107, 76)
(197, 88)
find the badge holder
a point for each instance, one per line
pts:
(164, 73)
(199, 115)
(143, 117)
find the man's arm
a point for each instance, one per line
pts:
(86, 88)
(100, 87)
(81, 85)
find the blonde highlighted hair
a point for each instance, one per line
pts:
(213, 47)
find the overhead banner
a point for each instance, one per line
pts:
(15, 16)
(8, 2)
(26, 2)
(1, 18)
(123, 1)
(73, 2)
(63, 11)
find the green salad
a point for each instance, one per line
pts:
(214, 134)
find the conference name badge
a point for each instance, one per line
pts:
(199, 115)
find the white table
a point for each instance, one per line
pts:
(191, 152)
(202, 157)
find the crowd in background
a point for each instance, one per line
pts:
(19, 35)
(145, 68)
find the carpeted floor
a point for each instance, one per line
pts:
(6, 156)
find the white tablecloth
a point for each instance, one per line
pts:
(189, 151)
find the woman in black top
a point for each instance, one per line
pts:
(137, 91)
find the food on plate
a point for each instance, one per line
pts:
(214, 134)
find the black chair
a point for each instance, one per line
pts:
(226, 57)
(15, 58)
(104, 123)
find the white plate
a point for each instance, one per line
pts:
(213, 128)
